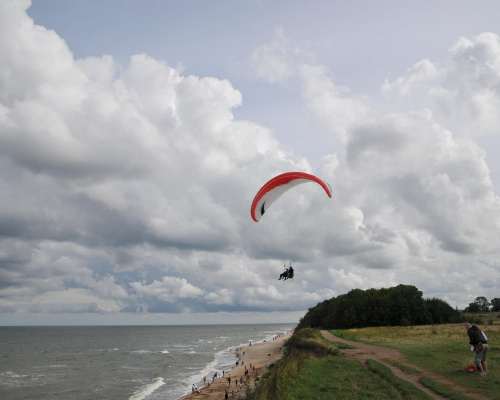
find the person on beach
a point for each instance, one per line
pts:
(226, 395)
(479, 344)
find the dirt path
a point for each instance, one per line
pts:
(364, 351)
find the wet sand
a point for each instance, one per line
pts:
(259, 355)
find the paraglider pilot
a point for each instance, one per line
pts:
(287, 274)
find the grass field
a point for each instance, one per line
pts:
(314, 369)
(441, 349)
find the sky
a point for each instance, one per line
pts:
(134, 136)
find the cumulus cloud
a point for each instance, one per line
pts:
(329, 103)
(127, 189)
(169, 289)
(413, 188)
(104, 169)
(278, 60)
(464, 85)
(271, 61)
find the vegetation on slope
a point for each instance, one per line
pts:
(313, 368)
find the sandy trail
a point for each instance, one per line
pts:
(364, 351)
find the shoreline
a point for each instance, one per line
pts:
(254, 358)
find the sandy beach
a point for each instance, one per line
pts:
(259, 355)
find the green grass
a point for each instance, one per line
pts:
(441, 349)
(403, 367)
(339, 378)
(313, 368)
(331, 377)
(406, 389)
(341, 345)
(443, 390)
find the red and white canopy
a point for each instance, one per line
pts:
(277, 186)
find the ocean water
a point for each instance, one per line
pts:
(118, 362)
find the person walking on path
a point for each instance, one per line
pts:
(479, 343)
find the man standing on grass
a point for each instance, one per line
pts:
(480, 346)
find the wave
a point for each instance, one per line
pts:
(11, 374)
(140, 352)
(145, 391)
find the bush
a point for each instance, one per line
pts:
(311, 341)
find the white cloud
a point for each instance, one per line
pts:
(128, 188)
(422, 71)
(274, 61)
(328, 103)
(168, 289)
(464, 85)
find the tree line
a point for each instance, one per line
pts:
(481, 304)
(402, 305)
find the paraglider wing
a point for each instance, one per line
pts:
(277, 186)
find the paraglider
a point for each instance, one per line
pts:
(274, 189)
(279, 185)
(288, 274)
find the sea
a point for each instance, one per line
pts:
(119, 362)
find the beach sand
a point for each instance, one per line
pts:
(261, 355)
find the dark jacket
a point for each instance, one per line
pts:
(475, 335)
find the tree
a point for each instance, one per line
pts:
(483, 303)
(473, 308)
(495, 304)
(440, 312)
(480, 305)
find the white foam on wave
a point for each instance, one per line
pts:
(145, 391)
(223, 360)
(140, 351)
(11, 374)
(165, 352)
